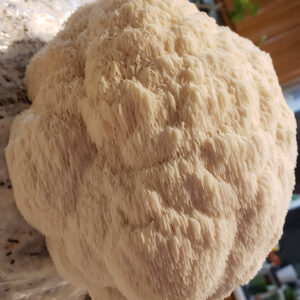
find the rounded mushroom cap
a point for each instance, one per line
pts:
(158, 154)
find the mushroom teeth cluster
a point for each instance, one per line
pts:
(158, 154)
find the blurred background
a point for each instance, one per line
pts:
(274, 26)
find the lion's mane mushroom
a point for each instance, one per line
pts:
(158, 154)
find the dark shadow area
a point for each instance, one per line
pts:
(289, 252)
(290, 240)
(13, 64)
(297, 170)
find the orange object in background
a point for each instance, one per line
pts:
(274, 259)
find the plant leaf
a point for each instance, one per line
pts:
(244, 2)
(237, 4)
(237, 15)
(253, 8)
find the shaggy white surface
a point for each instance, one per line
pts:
(26, 270)
(158, 155)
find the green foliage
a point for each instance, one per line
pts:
(262, 40)
(258, 284)
(252, 8)
(290, 294)
(241, 7)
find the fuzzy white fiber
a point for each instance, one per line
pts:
(158, 154)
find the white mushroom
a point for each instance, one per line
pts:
(158, 154)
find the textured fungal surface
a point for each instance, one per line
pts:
(158, 154)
